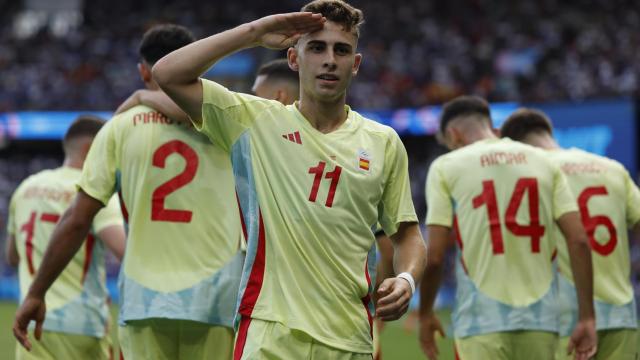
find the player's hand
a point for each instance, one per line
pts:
(429, 326)
(32, 308)
(281, 31)
(394, 295)
(584, 340)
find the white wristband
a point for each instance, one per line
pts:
(409, 278)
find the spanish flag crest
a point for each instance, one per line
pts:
(364, 160)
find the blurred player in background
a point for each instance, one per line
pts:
(313, 179)
(77, 311)
(180, 276)
(276, 81)
(501, 198)
(609, 204)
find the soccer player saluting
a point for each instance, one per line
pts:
(313, 179)
(502, 199)
(609, 204)
(180, 275)
(77, 312)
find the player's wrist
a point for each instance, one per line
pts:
(408, 278)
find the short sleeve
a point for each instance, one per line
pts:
(397, 205)
(227, 114)
(633, 201)
(98, 178)
(108, 216)
(439, 200)
(564, 200)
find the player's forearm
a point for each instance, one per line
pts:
(187, 64)
(65, 241)
(581, 267)
(410, 253)
(429, 286)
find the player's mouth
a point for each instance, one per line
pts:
(328, 78)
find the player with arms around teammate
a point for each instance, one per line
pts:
(609, 204)
(313, 179)
(77, 312)
(502, 199)
(180, 276)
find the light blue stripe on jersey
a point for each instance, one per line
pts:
(249, 206)
(608, 316)
(87, 314)
(210, 301)
(476, 313)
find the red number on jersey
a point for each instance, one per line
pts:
(29, 228)
(592, 222)
(158, 211)
(533, 230)
(334, 175)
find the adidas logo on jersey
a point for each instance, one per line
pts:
(293, 137)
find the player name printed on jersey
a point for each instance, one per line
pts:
(503, 158)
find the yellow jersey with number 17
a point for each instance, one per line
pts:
(609, 204)
(77, 300)
(502, 198)
(177, 193)
(310, 201)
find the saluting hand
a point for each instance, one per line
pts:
(281, 31)
(31, 309)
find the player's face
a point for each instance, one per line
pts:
(326, 61)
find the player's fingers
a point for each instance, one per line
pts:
(570, 347)
(393, 296)
(38, 330)
(440, 330)
(21, 336)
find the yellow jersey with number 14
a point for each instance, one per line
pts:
(310, 201)
(502, 199)
(177, 193)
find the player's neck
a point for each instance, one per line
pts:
(483, 134)
(72, 162)
(543, 141)
(323, 116)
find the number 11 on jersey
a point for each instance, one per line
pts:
(334, 175)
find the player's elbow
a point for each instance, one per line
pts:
(164, 75)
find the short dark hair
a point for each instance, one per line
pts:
(160, 40)
(278, 69)
(339, 12)
(525, 121)
(83, 125)
(461, 106)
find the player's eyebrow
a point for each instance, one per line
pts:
(342, 45)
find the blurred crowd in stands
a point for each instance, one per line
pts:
(415, 52)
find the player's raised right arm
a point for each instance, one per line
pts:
(178, 73)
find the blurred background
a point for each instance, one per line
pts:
(578, 61)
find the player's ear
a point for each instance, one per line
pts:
(292, 57)
(145, 72)
(356, 64)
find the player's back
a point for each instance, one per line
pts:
(177, 193)
(77, 300)
(505, 196)
(609, 204)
